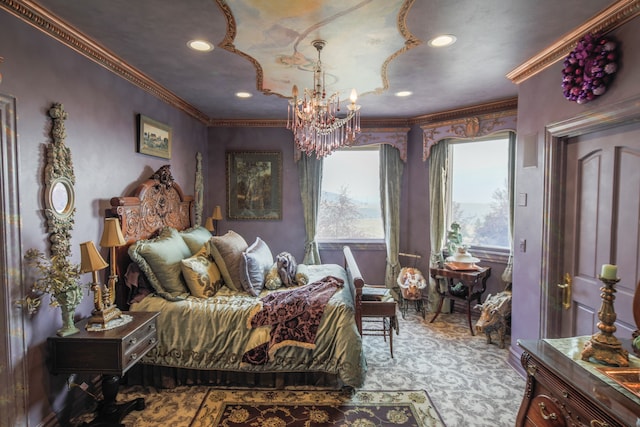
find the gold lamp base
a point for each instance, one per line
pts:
(104, 316)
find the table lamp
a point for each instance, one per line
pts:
(208, 224)
(112, 238)
(91, 261)
(217, 215)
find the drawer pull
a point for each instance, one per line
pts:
(133, 340)
(551, 416)
(596, 423)
(152, 327)
(565, 394)
(134, 356)
(152, 340)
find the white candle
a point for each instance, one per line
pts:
(609, 272)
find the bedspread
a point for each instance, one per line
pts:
(213, 334)
(293, 315)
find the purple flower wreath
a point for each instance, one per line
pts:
(589, 68)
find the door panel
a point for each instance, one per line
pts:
(602, 212)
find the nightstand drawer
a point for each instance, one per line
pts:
(138, 345)
(110, 352)
(140, 335)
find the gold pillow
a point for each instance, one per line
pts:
(201, 274)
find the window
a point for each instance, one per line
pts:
(479, 190)
(350, 200)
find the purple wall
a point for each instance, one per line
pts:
(540, 102)
(101, 134)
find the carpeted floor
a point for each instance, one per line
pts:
(469, 381)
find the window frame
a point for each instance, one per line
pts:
(488, 253)
(355, 243)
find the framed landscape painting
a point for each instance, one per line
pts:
(154, 138)
(254, 185)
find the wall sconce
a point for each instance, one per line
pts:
(91, 261)
(112, 238)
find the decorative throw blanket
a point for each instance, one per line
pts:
(294, 316)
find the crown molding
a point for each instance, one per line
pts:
(45, 21)
(609, 19)
(502, 107)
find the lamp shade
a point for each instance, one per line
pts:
(112, 233)
(217, 213)
(90, 259)
(208, 224)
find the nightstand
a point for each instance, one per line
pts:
(110, 353)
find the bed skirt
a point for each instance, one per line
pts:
(167, 377)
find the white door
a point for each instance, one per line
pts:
(601, 225)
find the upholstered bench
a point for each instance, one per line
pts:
(379, 313)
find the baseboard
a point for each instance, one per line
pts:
(514, 360)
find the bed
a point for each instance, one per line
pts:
(225, 318)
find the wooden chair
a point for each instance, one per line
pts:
(379, 313)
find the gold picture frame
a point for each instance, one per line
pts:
(154, 138)
(254, 185)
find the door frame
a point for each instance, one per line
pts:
(13, 352)
(554, 152)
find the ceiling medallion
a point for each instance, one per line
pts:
(314, 119)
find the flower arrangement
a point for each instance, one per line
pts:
(589, 68)
(57, 277)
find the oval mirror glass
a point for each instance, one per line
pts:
(60, 197)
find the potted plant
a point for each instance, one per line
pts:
(61, 280)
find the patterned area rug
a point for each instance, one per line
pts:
(284, 408)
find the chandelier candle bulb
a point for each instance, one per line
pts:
(609, 272)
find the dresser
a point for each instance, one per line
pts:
(562, 390)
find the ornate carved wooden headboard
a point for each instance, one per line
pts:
(156, 203)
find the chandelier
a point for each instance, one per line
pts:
(314, 119)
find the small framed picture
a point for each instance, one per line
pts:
(154, 138)
(254, 185)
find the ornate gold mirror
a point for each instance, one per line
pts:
(59, 181)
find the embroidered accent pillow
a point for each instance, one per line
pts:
(254, 265)
(201, 274)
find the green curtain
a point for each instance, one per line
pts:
(310, 178)
(391, 168)
(507, 274)
(437, 206)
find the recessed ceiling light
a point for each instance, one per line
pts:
(200, 45)
(243, 95)
(443, 40)
(403, 93)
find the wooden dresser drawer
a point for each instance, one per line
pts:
(560, 392)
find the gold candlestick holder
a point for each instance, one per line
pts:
(604, 346)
